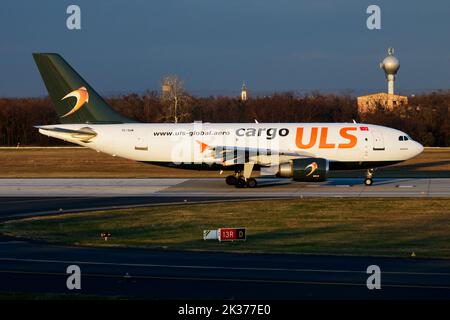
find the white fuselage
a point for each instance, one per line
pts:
(196, 142)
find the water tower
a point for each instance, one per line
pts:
(390, 65)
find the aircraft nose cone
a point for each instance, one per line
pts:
(419, 148)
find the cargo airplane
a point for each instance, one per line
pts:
(301, 151)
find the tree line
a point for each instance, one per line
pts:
(426, 118)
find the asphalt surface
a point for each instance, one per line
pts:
(22, 207)
(34, 267)
(345, 187)
(160, 274)
(25, 197)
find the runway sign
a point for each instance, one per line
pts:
(210, 235)
(232, 234)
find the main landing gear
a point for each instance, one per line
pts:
(239, 181)
(242, 179)
(369, 175)
(231, 180)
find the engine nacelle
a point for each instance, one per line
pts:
(305, 170)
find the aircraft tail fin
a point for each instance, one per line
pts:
(74, 99)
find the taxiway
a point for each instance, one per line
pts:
(162, 274)
(25, 197)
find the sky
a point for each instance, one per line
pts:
(214, 45)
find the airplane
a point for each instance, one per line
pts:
(301, 151)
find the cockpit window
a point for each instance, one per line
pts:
(403, 138)
(400, 138)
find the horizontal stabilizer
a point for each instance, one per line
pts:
(84, 134)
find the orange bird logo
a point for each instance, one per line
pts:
(81, 95)
(313, 167)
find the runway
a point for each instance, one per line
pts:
(32, 267)
(25, 197)
(344, 187)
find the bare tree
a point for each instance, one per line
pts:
(426, 118)
(174, 94)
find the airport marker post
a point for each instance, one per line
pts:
(225, 234)
(105, 235)
(232, 234)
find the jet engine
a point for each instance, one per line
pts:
(305, 169)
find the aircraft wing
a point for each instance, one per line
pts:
(230, 155)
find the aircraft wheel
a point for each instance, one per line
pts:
(368, 181)
(251, 183)
(240, 183)
(231, 180)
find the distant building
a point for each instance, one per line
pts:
(369, 102)
(389, 100)
(243, 92)
(166, 88)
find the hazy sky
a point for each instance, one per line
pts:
(213, 45)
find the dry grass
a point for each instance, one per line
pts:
(79, 162)
(387, 227)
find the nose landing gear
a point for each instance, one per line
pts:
(369, 175)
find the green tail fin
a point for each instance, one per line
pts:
(74, 99)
